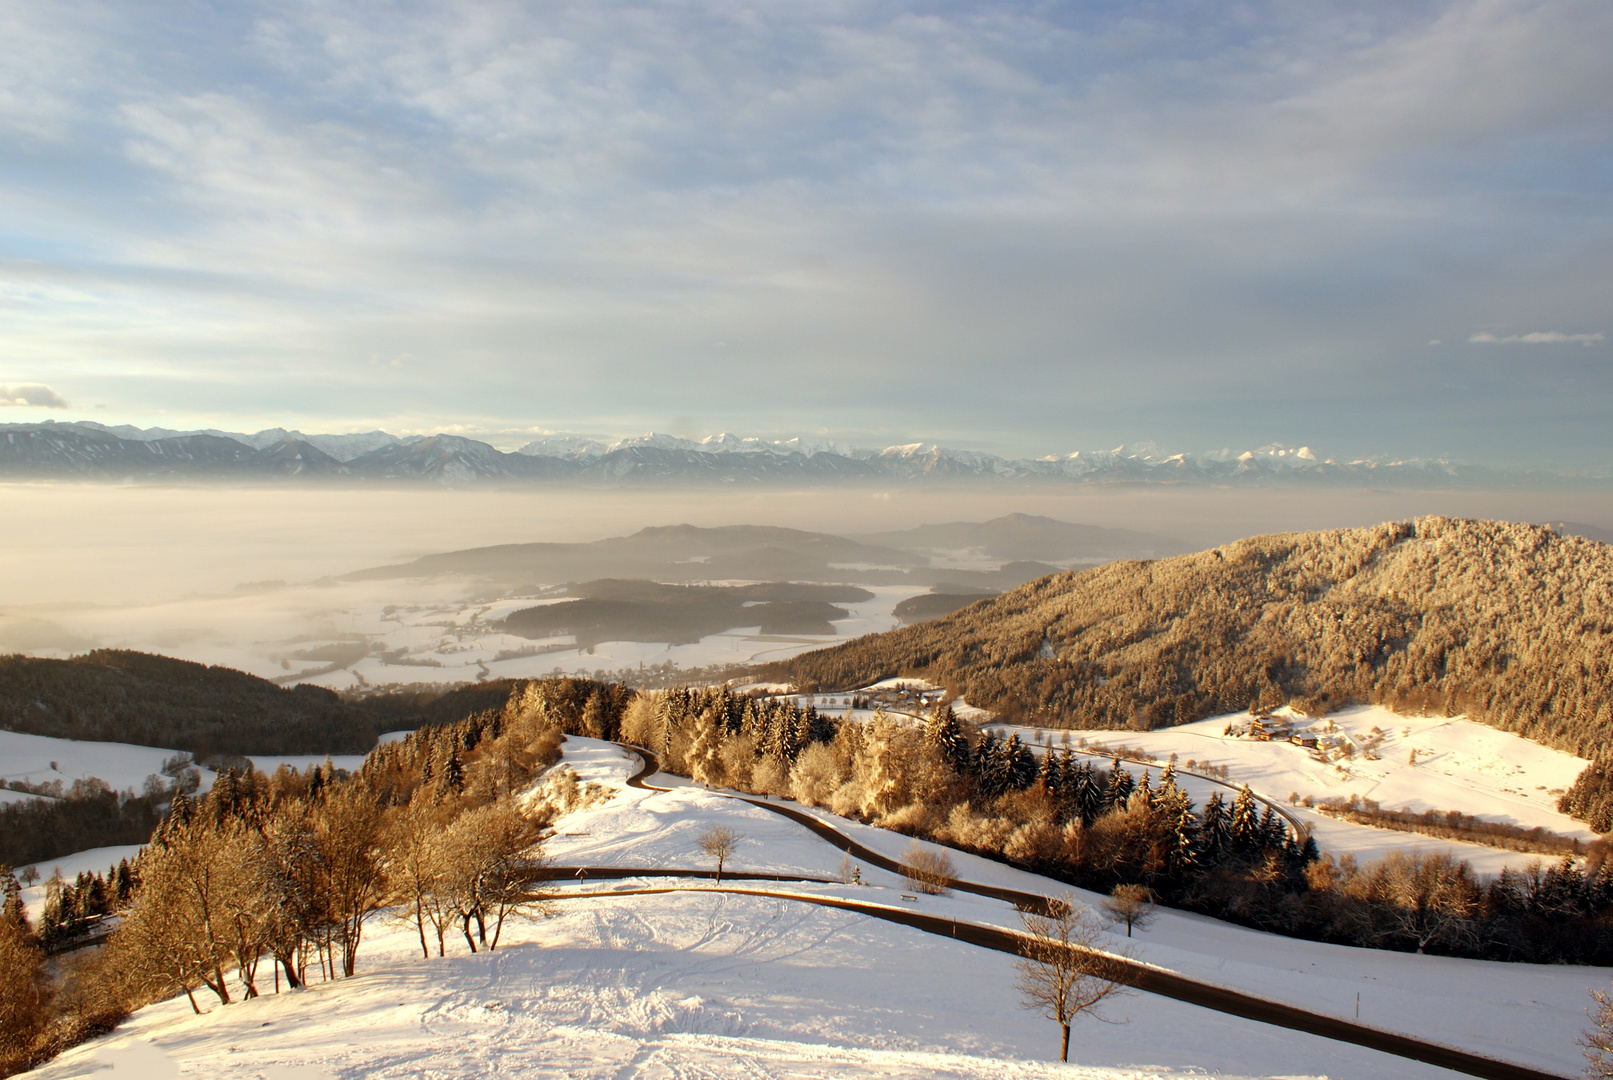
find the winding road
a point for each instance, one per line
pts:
(1142, 976)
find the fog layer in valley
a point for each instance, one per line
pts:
(246, 576)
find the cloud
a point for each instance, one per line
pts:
(1538, 337)
(1007, 216)
(41, 397)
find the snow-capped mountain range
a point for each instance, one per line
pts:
(88, 450)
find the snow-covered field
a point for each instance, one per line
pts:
(1460, 765)
(703, 984)
(40, 759)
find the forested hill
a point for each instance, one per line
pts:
(112, 695)
(1511, 624)
(132, 697)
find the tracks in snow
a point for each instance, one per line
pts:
(1142, 976)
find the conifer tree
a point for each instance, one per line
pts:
(943, 731)
(1053, 774)
(1244, 829)
(989, 766)
(814, 727)
(12, 907)
(1273, 831)
(1121, 783)
(1144, 794)
(1089, 794)
(1216, 829)
(1020, 762)
(452, 779)
(704, 756)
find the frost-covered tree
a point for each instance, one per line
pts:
(1132, 905)
(705, 752)
(25, 989)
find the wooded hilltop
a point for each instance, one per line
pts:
(1510, 624)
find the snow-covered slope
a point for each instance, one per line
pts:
(702, 984)
(1525, 1013)
(1460, 765)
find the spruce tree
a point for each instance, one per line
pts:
(1167, 779)
(1184, 856)
(943, 731)
(123, 883)
(12, 909)
(452, 780)
(1144, 793)
(1020, 763)
(1053, 774)
(1273, 830)
(1120, 784)
(988, 766)
(1089, 795)
(813, 727)
(1244, 828)
(1216, 829)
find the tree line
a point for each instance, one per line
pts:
(88, 815)
(1101, 828)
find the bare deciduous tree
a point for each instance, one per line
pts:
(419, 874)
(1062, 972)
(719, 842)
(1132, 905)
(1598, 1040)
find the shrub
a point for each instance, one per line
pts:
(927, 870)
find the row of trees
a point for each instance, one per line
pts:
(1099, 827)
(89, 814)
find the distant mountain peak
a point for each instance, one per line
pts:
(85, 449)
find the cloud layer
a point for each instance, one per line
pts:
(42, 397)
(1013, 225)
(1539, 337)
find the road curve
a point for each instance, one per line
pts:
(1142, 976)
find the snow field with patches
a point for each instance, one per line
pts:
(1461, 765)
(701, 984)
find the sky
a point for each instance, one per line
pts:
(1371, 228)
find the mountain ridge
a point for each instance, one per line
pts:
(89, 451)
